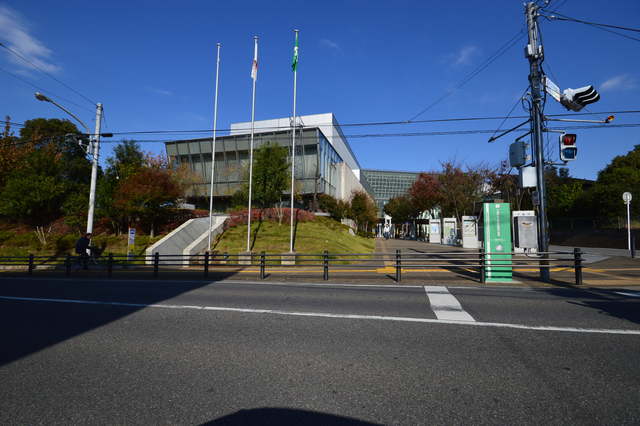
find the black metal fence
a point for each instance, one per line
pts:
(474, 264)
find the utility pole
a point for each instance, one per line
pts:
(535, 54)
(94, 168)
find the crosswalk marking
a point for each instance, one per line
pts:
(445, 305)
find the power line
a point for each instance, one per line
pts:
(380, 123)
(375, 135)
(511, 110)
(19, 55)
(409, 134)
(44, 90)
(603, 27)
(512, 41)
(12, 123)
(376, 123)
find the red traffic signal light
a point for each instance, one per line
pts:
(568, 139)
(568, 149)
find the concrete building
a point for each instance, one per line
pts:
(325, 163)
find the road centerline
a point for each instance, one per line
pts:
(445, 305)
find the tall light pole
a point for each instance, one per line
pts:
(94, 150)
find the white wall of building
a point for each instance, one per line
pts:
(327, 124)
(349, 182)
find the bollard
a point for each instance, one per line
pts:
(110, 265)
(206, 263)
(67, 264)
(31, 264)
(482, 272)
(156, 264)
(577, 264)
(633, 245)
(262, 265)
(325, 265)
(398, 267)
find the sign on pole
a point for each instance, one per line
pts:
(132, 239)
(626, 197)
(497, 240)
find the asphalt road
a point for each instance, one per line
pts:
(148, 352)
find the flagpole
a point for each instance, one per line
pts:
(254, 75)
(293, 143)
(213, 146)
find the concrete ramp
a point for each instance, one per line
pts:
(188, 239)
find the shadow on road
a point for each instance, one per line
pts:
(28, 326)
(285, 416)
(606, 302)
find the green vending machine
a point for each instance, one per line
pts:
(497, 240)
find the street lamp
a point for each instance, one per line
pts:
(94, 150)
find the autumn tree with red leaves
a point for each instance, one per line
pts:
(146, 196)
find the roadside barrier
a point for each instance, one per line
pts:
(474, 264)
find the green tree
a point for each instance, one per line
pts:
(462, 190)
(363, 211)
(619, 176)
(128, 159)
(271, 177)
(402, 209)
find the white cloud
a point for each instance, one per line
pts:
(465, 55)
(619, 82)
(159, 91)
(15, 34)
(324, 42)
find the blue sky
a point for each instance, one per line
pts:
(152, 65)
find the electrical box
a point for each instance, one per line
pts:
(434, 231)
(518, 156)
(450, 231)
(470, 232)
(526, 232)
(527, 177)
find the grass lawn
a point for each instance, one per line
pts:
(310, 238)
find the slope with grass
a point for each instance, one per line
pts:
(310, 237)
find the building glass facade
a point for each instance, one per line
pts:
(386, 184)
(316, 161)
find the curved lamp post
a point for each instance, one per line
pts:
(94, 146)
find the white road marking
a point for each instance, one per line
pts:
(329, 315)
(445, 305)
(624, 293)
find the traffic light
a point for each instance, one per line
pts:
(568, 149)
(576, 99)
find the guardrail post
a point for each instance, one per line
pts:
(156, 264)
(110, 265)
(30, 264)
(225, 258)
(325, 265)
(577, 261)
(398, 266)
(262, 264)
(482, 266)
(206, 263)
(67, 264)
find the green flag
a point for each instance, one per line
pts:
(294, 62)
